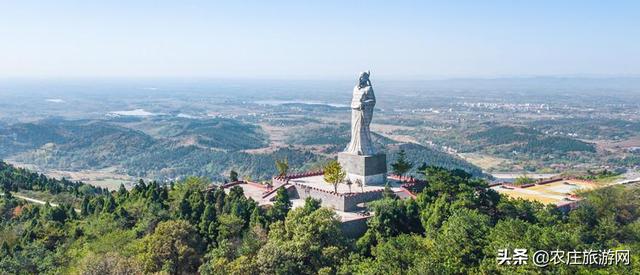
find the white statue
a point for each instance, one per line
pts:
(362, 105)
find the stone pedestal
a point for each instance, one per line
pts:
(371, 170)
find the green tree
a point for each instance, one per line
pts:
(401, 166)
(84, 206)
(397, 255)
(233, 176)
(388, 219)
(184, 210)
(174, 247)
(110, 205)
(311, 205)
(5, 251)
(109, 263)
(257, 218)
(304, 244)
(196, 203)
(253, 240)
(460, 241)
(435, 214)
(230, 230)
(283, 167)
(334, 174)
(238, 266)
(57, 213)
(387, 193)
(208, 225)
(122, 192)
(523, 179)
(281, 205)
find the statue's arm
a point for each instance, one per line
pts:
(367, 96)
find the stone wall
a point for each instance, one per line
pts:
(354, 228)
(352, 200)
(341, 202)
(329, 199)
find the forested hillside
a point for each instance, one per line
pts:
(177, 148)
(173, 161)
(422, 155)
(456, 225)
(499, 135)
(172, 148)
(508, 139)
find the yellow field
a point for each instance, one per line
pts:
(483, 161)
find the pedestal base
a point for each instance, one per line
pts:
(371, 170)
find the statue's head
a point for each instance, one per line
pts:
(364, 79)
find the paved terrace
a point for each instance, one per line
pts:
(556, 191)
(257, 192)
(263, 195)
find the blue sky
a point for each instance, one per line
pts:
(318, 39)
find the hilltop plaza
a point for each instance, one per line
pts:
(365, 171)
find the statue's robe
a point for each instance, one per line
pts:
(362, 106)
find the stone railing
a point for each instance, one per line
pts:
(279, 181)
(541, 182)
(414, 186)
(305, 174)
(299, 175)
(495, 184)
(406, 191)
(352, 194)
(233, 183)
(306, 187)
(361, 193)
(257, 184)
(405, 179)
(273, 189)
(574, 197)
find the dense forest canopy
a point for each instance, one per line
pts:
(455, 225)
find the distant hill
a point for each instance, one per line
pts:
(505, 135)
(226, 134)
(187, 147)
(530, 141)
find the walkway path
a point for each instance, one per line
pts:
(36, 201)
